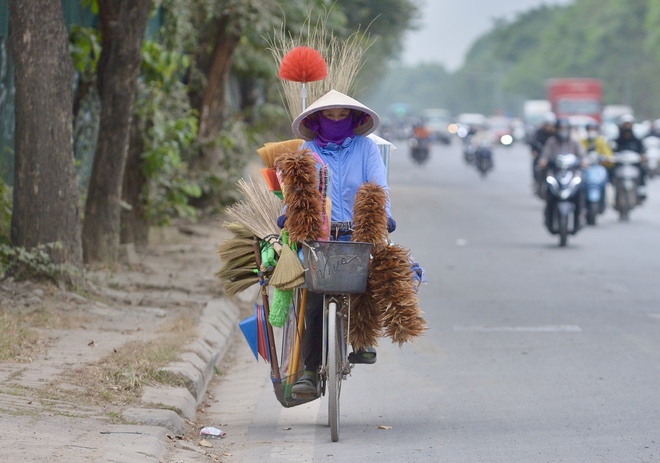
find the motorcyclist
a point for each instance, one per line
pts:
(599, 153)
(539, 139)
(562, 142)
(482, 139)
(627, 141)
(419, 143)
(596, 142)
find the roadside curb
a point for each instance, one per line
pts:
(170, 406)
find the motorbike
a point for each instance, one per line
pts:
(563, 196)
(484, 158)
(625, 179)
(469, 149)
(595, 180)
(419, 149)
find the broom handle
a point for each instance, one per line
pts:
(274, 364)
(299, 329)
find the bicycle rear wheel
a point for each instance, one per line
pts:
(335, 366)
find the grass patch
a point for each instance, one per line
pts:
(16, 341)
(118, 379)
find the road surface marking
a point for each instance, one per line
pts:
(521, 329)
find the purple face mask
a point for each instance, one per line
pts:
(330, 131)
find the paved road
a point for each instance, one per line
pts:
(535, 353)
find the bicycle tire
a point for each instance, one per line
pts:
(334, 363)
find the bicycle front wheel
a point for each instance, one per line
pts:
(335, 369)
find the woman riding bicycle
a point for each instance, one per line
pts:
(335, 128)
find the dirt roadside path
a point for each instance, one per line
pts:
(64, 396)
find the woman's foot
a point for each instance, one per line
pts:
(306, 384)
(366, 355)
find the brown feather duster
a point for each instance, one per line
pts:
(394, 291)
(302, 196)
(369, 226)
(366, 321)
(370, 214)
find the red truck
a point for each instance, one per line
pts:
(574, 97)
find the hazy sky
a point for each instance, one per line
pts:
(449, 27)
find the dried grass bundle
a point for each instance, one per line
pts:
(238, 270)
(259, 210)
(370, 215)
(366, 321)
(343, 57)
(303, 199)
(394, 291)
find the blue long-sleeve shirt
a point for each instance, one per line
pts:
(357, 161)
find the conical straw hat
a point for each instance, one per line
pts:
(335, 99)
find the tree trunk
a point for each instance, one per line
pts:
(213, 104)
(134, 224)
(123, 23)
(45, 187)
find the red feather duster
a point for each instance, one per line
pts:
(303, 64)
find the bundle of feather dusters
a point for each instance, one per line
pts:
(389, 306)
(303, 200)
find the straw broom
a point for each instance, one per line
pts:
(288, 274)
(238, 270)
(271, 150)
(259, 210)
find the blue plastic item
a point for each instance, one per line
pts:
(250, 329)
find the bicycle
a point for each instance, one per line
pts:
(337, 269)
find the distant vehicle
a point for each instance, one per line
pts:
(576, 97)
(534, 114)
(612, 112)
(437, 121)
(501, 129)
(466, 120)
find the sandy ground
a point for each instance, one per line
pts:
(51, 400)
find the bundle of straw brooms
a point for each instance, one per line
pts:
(254, 217)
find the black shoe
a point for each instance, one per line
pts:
(366, 355)
(306, 384)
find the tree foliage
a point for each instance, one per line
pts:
(208, 85)
(615, 41)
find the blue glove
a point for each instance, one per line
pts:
(281, 220)
(391, 225)
(418, 273)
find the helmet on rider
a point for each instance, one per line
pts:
(626, 126)
(563, 128)
(593, 130)
(626, 121)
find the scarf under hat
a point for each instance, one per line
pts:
(331, 131)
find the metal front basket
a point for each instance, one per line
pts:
(336, 266)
